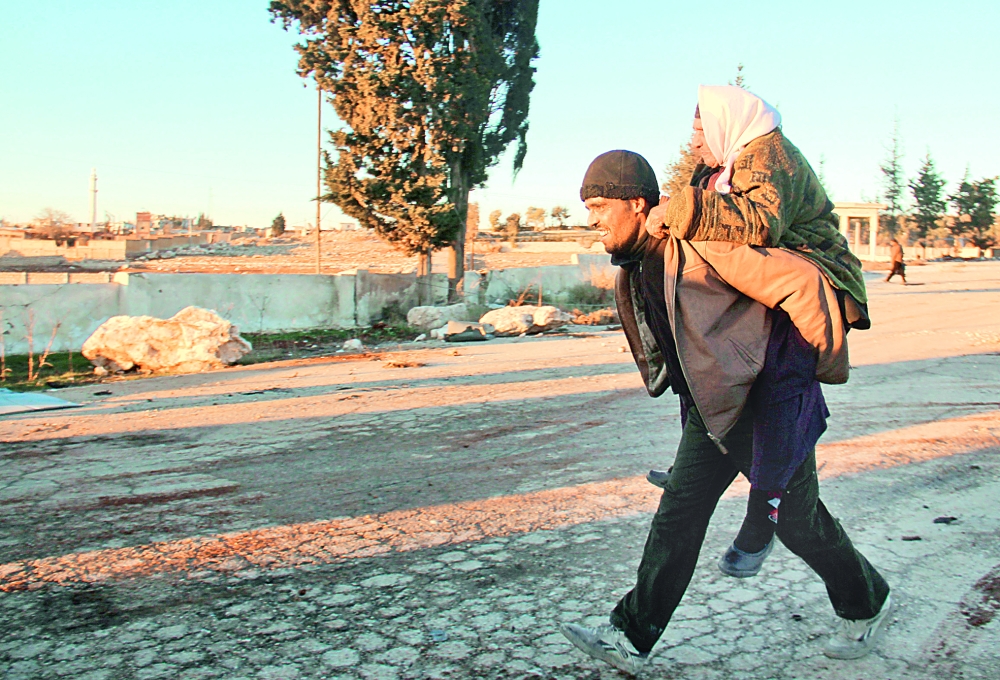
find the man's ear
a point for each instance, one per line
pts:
(640, 205)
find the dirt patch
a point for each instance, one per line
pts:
(987, 590)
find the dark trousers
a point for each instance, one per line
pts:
(897, 268)
(700, 475)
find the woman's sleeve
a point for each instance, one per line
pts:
(756, 212)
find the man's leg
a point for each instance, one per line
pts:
(856, 589)
(701, 473)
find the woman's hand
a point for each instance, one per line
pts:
(655, 220)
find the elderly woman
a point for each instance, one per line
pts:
(755, 187)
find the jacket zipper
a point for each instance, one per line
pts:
(680, 360)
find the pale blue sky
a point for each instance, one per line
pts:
(188, 106)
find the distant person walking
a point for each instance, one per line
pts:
(896, 257)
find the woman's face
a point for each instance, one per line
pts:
(700, 147)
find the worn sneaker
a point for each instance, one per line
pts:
(854, 639)
(607, 643)
(659, 477)
(741, 564)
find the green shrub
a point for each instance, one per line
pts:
(588, 295)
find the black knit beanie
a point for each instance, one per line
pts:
(620, 174)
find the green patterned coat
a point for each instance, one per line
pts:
(776, 200)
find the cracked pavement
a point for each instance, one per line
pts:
(337, 519)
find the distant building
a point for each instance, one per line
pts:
(143, 223)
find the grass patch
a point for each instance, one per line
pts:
(586, 295)
(67, 369)
(61, 369)
(295, 344)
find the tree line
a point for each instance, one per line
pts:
(918, 208)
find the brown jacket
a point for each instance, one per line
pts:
(895, 251)
(721, 335)
(717, 295)
(780, 278)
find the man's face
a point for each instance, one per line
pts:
(618, 221)
(700, 147)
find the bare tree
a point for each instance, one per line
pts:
(560, 214)
(495, 220)
(472, 223)
(534, 218)
(679, 173)
(54, 224)
(513, 226)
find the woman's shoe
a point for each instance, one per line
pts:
(743, 564)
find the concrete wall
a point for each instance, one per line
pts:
(257, 302)
(254, 302)
(78, 309)
(95, 249)
(266, 302)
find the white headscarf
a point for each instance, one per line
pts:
(732, 118)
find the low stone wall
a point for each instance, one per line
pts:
(255, 302)
(95, 249)
(32, 248)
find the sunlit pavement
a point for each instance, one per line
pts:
(341, 519)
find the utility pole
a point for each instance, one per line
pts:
(319, 170)
(93, 200)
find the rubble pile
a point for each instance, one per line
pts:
(600, 317)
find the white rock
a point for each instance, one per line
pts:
(191, 341)
(353, 345)
(439, 333)
(527, 319)
(509, 320)
(426, 318)
(420, 338)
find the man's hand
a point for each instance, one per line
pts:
(655, 221)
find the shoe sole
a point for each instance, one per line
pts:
(598, 654)
(736, 573)
(658, 484)
(850, 655)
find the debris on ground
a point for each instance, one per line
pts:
(353, 345)
(401, 363)
(467, 331)
(428, 317)
(191, 341)
(525, 319)
(600, 317)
